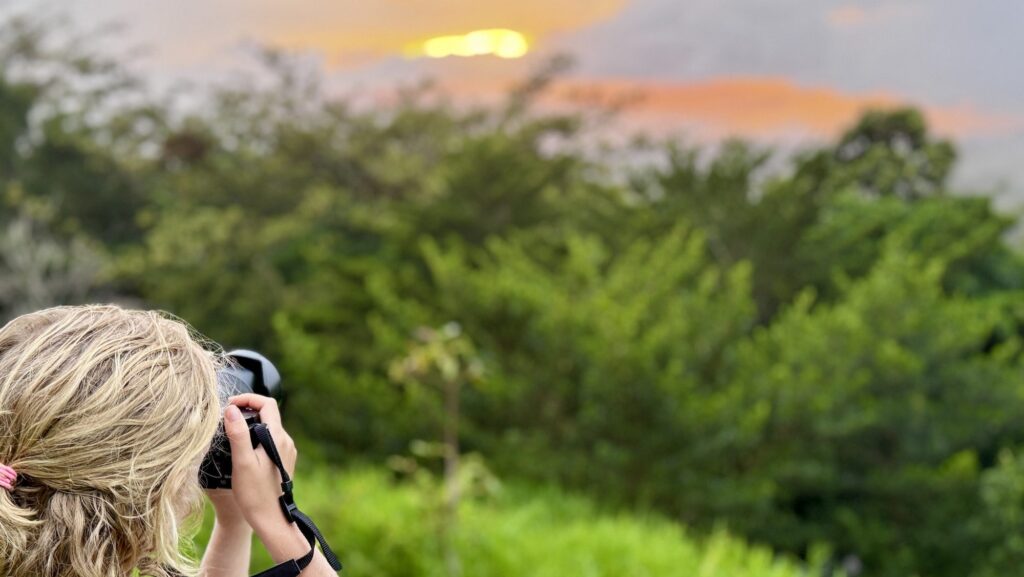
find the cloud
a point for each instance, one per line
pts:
(759, 107)
(847, 16)
(968, 121)
(857, 15)
(339, 28)
(769, 107)
(345, 33)
(752, 106)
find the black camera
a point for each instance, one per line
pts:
(248, 372)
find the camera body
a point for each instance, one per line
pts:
(248, 372)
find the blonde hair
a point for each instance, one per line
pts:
(105, 413)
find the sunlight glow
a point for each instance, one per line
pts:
(498, 42)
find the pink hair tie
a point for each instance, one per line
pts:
(7, 477)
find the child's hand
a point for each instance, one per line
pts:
(227, 512)
(256, 482)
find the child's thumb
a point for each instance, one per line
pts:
(237, 431)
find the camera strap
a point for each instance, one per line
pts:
(291, 511)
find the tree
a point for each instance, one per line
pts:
(871, 408)
(445, 361)
(38, 271)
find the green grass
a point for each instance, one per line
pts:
(380, 528)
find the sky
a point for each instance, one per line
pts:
(776, 71)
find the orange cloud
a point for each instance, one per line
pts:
(342, 27)
(756, 107)
(853, 15)
(752, 106)
(967, 120)
(769, 107)
(847, 16)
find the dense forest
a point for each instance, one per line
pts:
(815, 349)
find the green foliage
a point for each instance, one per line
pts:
(891, 154)
(384, 529)
(600, 357)
(1001, 522)
(877, 415)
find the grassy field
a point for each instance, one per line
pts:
(380, 528)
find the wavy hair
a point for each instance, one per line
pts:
(105, 413)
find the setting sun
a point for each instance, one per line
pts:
(498, 42)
